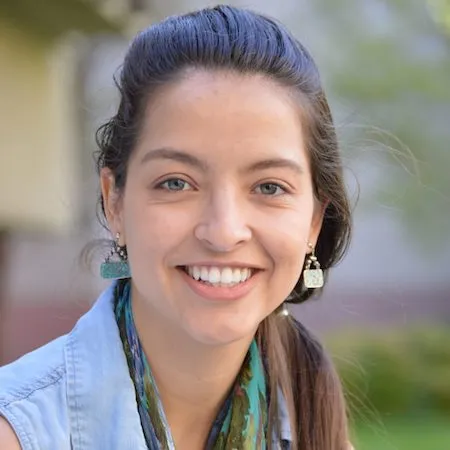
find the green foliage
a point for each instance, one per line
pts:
(426, 433)
(390, 64)
(441, 12)
(403, 372)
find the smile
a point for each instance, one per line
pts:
(221, 283)
(220, 277)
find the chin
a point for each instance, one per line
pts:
(221, 332)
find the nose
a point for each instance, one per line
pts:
(223, 225)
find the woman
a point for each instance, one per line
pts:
(222, 184)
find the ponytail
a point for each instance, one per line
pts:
(298, 365)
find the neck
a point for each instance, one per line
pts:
(193, 378)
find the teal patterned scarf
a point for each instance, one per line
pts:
(242, 422)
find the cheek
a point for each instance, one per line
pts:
(288, 251)
(288, 255)
(151, 229)
(289, 231)
(286, 241)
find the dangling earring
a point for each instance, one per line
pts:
(312, 278)
(284, 311)
(116, 269)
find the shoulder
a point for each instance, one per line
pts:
(34, 371)
(48, 366)
(63, 394)
(32, 397)
(8, 439)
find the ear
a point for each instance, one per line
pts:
(111, 201)
(317, 220)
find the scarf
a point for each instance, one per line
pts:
(242, 421)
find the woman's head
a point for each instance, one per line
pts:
(222, 156)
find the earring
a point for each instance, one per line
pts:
(312, 278)
(284, 310)
(116, 269)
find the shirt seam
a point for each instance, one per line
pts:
(72, 401)
(21, 395)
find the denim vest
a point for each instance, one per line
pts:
(75, 393)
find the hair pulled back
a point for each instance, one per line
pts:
(228, 38)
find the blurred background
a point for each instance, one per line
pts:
(385, 314)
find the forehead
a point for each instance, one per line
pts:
(218, 112)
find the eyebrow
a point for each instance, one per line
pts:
(271, 163)
(175, 155)
(191, 160)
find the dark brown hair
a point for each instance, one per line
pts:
(228, 38)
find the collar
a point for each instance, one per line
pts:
(100, 392)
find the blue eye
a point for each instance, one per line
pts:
(271, 189)
(175, 184)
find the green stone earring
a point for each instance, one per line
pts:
(113, 270)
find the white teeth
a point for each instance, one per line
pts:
(236, 275)
(244, 274)
(214, 275)
(204, 274)
(225, 276)
(196, 273)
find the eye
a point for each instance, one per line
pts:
(270, 189)
(174, 184)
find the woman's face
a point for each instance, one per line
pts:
(218, 207)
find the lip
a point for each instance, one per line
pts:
(234, 264)
(219, 293)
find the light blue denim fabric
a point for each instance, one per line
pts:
(75, 393)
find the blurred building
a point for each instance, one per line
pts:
(44, 49)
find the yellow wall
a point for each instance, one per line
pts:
(38, 137)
